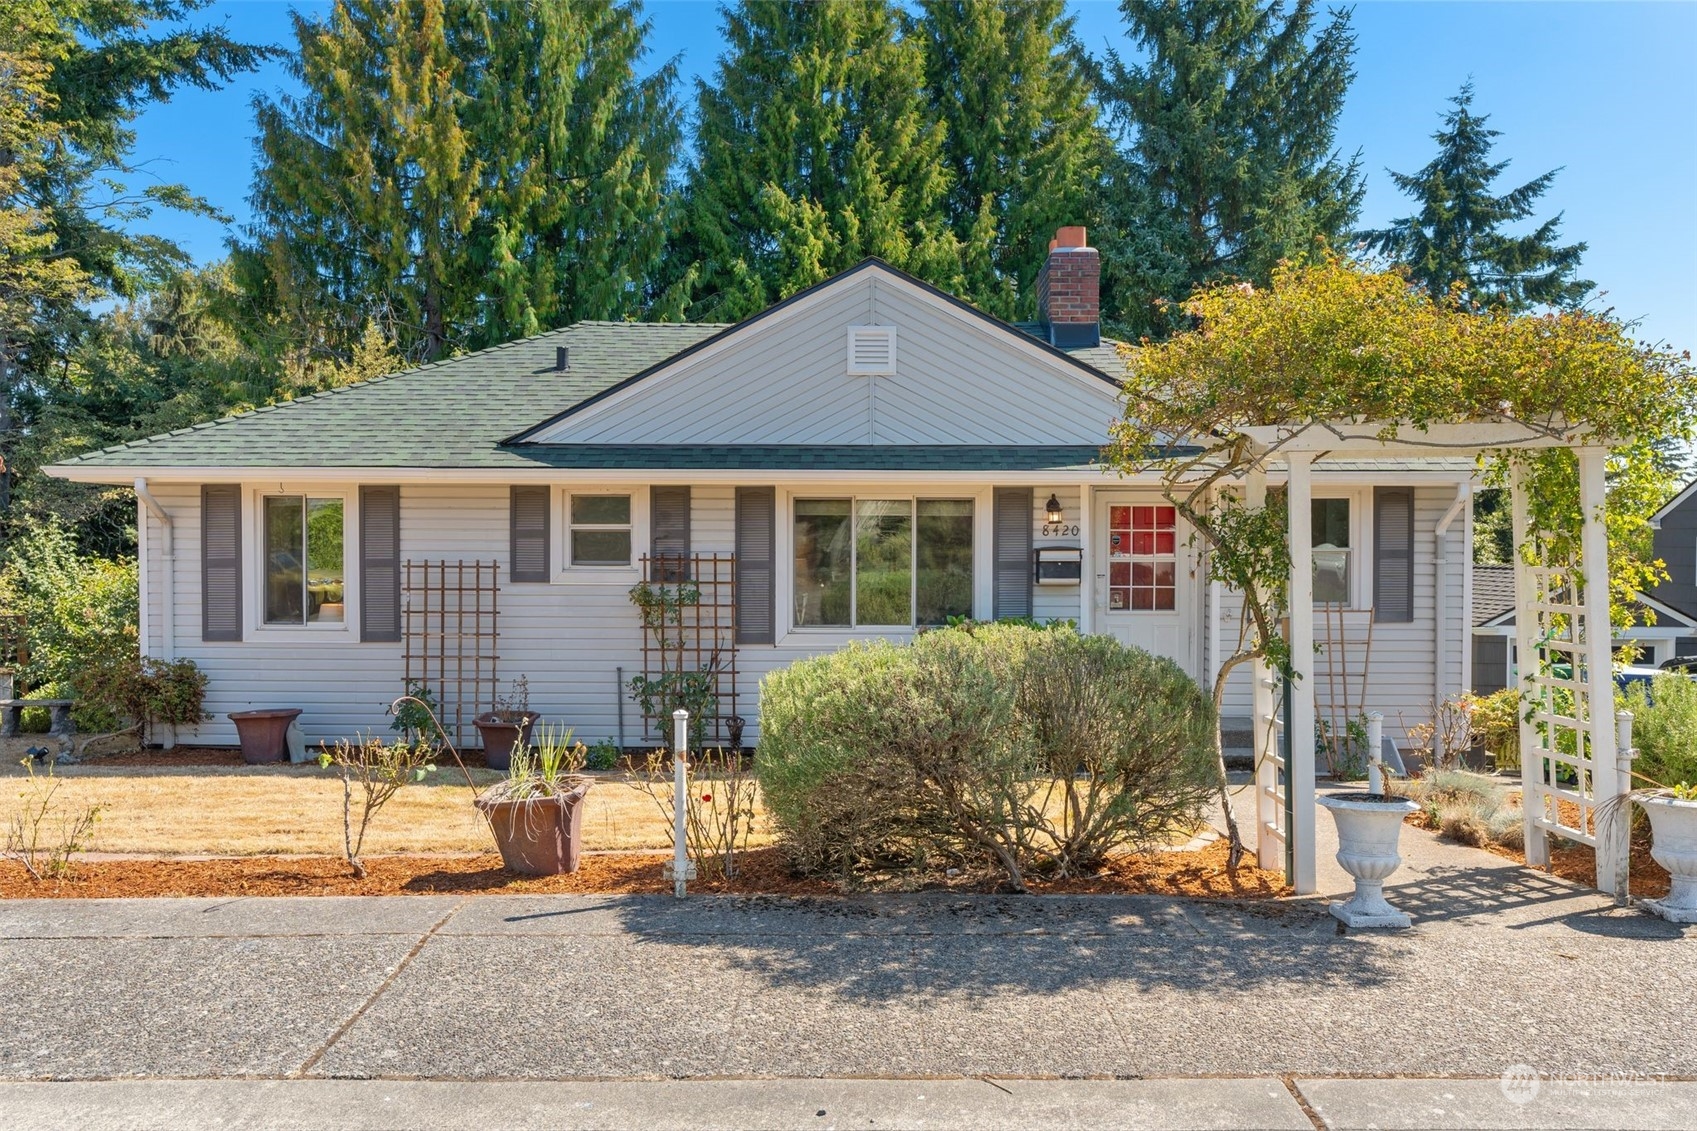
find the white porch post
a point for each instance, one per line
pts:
(1599, 722)
(1526, 627)
(1299, 496)
(1269, 849)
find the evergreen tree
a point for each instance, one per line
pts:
(76, 73)
(1229, 120)
(366, 185)
(1456, 241)
(1022, 144)
(576, 149)
(461, 174)
(815, 149)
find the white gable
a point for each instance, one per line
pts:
(817, 372)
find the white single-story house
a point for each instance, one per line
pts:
(865, 458)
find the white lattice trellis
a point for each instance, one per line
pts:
(1564, 649)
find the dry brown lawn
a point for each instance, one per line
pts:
(261, 810)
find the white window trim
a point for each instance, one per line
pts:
(254, 627)
(836, 636)
(565, 572)
(1360, 596)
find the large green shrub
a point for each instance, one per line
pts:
(1040, 751)
(79, 618)
(1664, 728)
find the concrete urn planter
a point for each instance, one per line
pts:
(1673, 828)
(1369, 829)
(264, 734)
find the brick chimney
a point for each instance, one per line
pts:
(1069, 291)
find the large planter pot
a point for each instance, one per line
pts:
(540, 836)
(500, 732)
(264, 734)
(1368, 831)
(1673, 829)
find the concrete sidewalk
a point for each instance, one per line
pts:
(733, 1105)
(761, 1011)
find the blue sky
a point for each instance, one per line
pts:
(1607, 91)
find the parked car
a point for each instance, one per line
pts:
(1686, 664)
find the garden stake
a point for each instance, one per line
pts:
(680, 802)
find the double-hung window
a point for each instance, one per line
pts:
(1331, 548)
(305, 560)
(600, 530)
(885, 563)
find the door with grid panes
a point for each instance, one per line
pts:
(1145, 580)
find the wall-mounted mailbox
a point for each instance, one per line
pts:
(1059, 565)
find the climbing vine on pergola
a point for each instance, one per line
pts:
(1337, 358)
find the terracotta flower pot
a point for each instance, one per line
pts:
(540, 836)
(263, 734)
(500, 732)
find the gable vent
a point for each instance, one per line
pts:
(871, 349)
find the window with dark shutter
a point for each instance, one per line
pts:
(529, 534)
(1013, 552)
(220, 562)
(1393, 554)
(668, 523)
(755, 571)
(380, 564)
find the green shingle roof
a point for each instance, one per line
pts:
(456, 413)
(451, 413)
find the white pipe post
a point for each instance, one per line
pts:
(1599, 654)
(680, 802)
(1269, 851)
(1527, 626)
(1299, 495)
(1375, 752)
(1621, 828)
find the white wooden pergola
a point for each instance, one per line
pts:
(1570, 764)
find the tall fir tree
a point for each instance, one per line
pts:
(1009, 82)
(461, 174)
(815, 149)
(1457, 242)
(577, 148)
(1229, 120)
(366, 184)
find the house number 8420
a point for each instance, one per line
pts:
(1060, 530)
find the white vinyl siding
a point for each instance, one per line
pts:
(957, 382)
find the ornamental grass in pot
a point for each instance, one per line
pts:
(536, 811)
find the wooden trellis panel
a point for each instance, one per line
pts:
(704, 637)
(449, 636)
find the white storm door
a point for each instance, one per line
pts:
(1146, 590)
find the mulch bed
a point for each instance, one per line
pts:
(1578, 862)
(1200, 874)
(212, 756)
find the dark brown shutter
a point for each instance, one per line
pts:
(380, 564)
(1012, 553)
(757, 621)
(529, 534)
(668, 524)
(1393, 554)
(220, 562)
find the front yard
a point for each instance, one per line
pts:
(203, 810)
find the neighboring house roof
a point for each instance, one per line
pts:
(1674, 503)
(1493, 592)
(1493, 601)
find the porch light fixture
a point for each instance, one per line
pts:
(1053, 508)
